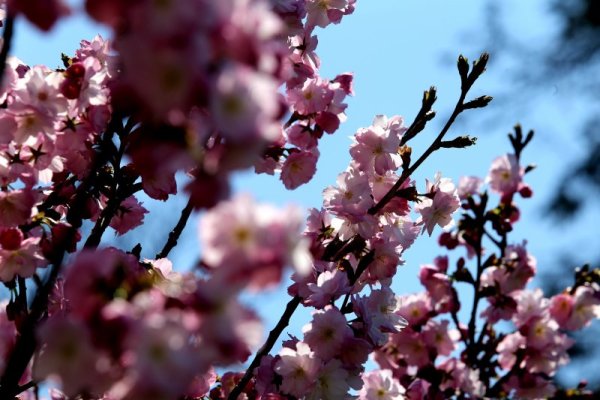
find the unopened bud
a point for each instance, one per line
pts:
(463, 68)
(459, 142)
(479, 102)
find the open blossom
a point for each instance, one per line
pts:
(575, 311)
(439, 209)
(506, 177)
(351, 198)
(245, 104)
(381, 385)
(329, 286)
(313, 97)
(129, 216)
(252, 243)
(298, 368)
(416, 308)
(468, 186)
(331, 383)
(327, 332)
(299, 167)
(438, 336)
(161, 359)
(376, 148)
(380, 314)
(324, 12)
(21, 261)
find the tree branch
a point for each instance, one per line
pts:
(266, 348)
(176, 232)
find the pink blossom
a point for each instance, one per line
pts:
(376, 148)
(303, 49)
(252, 243)
(380, 314)
(201, 384)
(94, 278)
(324, 12)
(298, 368)
(16, 207)
(380, 385)
(462, 377)
(351, 197)
(244, 105)
(381, 185)
(508, 348)
(313, 97)
(410, 347)
(301, 135)
(299, 168)
(439, 210)
(400, 229)
(326, 333)
(540, 332)
(438, 285)
(469, 186)
(331, 383)
(161, 358)
(561, 308)
(530, 386)
(505, 175)
(329, 286)
(416, 308)
(585, 307)
(436, 335)
(129, 216)
(418, 389)
(530, 304)
(22, 261)
(68, 347)
(385, 262)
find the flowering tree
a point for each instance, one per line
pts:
(210, 88)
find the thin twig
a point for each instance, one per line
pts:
(432, 148)
(176, 232)
(266, 348)
(457, 323)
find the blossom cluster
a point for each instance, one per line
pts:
(207, 88)
(438, 356)
(352, 247)
(49, 123)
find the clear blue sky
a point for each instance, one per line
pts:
(397, 49)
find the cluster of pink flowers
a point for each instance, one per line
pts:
(434, 357)
(184, 86)
(328, 360)
(140, 329)
(316, 104)
(205, 87)
(48, 125)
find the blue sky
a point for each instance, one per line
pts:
(397, 49)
